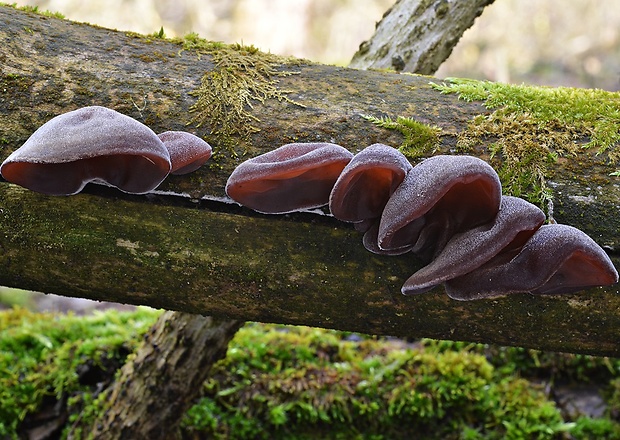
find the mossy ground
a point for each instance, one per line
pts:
(42, 355)
(299, 382)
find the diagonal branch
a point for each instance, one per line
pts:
(418, 35)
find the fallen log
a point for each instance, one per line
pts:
(186, 247)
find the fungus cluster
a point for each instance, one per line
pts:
(99, 144)
(448, 210)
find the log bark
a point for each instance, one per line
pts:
(418, 35)
(186, 248)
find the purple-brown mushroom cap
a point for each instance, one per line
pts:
(187, 151)
(91, 143)
(370, 228)
(364, 187)
(439, 197)
(515, 223)
(290, 178)
(556, 259)
(367, 182)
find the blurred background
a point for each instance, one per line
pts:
(547, 42)
(550, 42)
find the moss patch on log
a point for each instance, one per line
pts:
(531, 127)
(418, 138)
(242, 77)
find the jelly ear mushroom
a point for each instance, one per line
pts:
(557, 259)
(515, 223)
(364, 187)
(290, 178)
(367, 182)
(439, 197)
(187, 152)
(91, 143)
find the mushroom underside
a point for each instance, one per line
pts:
(130, 173)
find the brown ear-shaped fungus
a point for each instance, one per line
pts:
(292, 177)
(515, 223)
(439, 197)
(556, 259)
(367, 182)
(371, 244)
(187, 152)
(364, 187)
(91, 143)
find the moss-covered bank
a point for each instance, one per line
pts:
(299, 382)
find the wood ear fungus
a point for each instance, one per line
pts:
(187, 151)
(367, 182)
(365, 186)
(557, 259)
(448, 210)
(91, 143)
(516, 221)
(439, 197)
(290, 178)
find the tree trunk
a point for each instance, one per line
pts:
(418, 35)
(187, 248)
(159, 384)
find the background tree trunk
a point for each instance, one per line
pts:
(157, 386)
(418, 35)
(187, 248)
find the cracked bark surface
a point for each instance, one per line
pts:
(159, 384)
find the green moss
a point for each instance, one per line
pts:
(34, 9)
(419, 139)
(523, 152)
(297, 382)
(587, 428)
(300, 382)
(193, 42)
(159, 34)
(583, 112)
(525, 362)
(242, 77)
(532, 126)
(41, 354)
